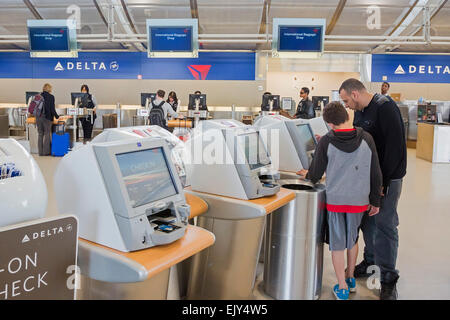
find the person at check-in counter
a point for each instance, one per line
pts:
(45, 121)
(385, 86)
(173, 100)
(305, 108)
(160, 110)
(349, 157)
(86, 122)
(380, 116)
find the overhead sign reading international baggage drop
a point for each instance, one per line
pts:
(295, 38)
(172, 38)
(52, 38)
(49, 39)
(298, 38)
(410, 68)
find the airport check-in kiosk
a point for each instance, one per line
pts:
(238, 204)
(129, 199)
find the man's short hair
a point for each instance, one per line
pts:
(387, 84)
(305, 90)
(351, 85)
(335, 113)
(161, 93)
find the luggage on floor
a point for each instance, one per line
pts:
(60, 141)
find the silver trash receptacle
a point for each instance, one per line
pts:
(294, 244)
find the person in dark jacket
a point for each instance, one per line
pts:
(380, 116)
(353, 186)
(88, 122)
(45, 121)
(305, 108)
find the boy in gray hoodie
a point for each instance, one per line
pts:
(353, 186)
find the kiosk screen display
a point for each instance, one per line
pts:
(307, 137)
(255, 151)
(146, 176)
(171, 38)
(49, 39)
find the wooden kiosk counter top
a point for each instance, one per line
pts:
(32, 120)
(106, 264)
(179, 123)
(237, 209)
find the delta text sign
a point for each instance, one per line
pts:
(411, 68)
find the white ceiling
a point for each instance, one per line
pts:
(231, 17)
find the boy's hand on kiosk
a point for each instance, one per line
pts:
(302, 173)
(373, 210)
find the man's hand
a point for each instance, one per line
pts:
(373, 210)
(317, 137)
(302, 173)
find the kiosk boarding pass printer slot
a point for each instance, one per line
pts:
(240, 159)
(126, 194)
(296, 142)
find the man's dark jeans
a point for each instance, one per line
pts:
(381, 234)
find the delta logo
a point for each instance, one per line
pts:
(422, 69)
(200, 72)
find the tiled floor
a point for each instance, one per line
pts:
(424, 254)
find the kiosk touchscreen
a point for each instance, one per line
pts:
(147, 98)
(126, 194)
(296, 141)
(232, 153)
(78, 98)
(197, 102)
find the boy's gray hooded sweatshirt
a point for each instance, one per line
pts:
(353, 174)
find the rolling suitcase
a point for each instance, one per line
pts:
(60, 141)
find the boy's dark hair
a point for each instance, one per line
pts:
(351, 85)
(335, 113)
(161, 93)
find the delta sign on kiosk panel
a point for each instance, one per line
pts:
(410, 68)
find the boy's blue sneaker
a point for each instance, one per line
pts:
(351, 283)
(340, 294)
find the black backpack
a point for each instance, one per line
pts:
(156, 115)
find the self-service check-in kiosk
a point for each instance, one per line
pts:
(126, 194)
(176, 146)
(238, 203)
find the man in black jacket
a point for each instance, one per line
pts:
(305, 109)
(381, 117)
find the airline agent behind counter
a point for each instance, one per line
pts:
(86, 122)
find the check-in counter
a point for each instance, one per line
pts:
(143, 274)
(433, 142)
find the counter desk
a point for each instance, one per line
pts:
(433, 142)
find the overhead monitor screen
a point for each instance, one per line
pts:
(146, 176)
(307, 137)
(177, 39)
(49, 39)
(255, 150)
(300, 38)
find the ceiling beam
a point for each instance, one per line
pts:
(33, 10)
(336, 16)
(265, 12)
(194, 9)
(102, 16)
(444, 2)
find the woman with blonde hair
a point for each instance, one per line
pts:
(45, 121)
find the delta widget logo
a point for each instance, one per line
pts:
(200, 72)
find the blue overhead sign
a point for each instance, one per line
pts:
(49, 39)
(300, 38)
(411, 68)
(130, 65)
(171, 38)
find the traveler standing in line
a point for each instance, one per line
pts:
(380, 116)
(173, 100)
(45, 121)
(88, 122)
(385, 88)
